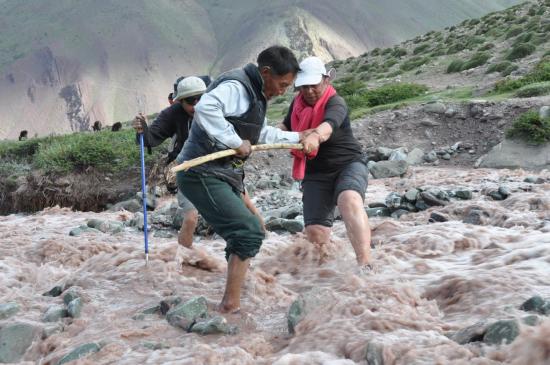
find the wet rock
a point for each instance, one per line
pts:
(420, 204)
(536, 304)
(534, 180)
(384, 153)
(54, 292)
(55, 313)
(471, 333)
(501, 332)
(531, 320)
(138, 221)
(430, 156)
(544, 111)
(446, 156)
(75, 232)
(303, 305)
(74, 308)
(415, 157)
(15, 339)
(104, 226)
(296, 313)
(215, 325)
(151, 200)
(436, 108)
(378, 212)
(437, 217)
(375, 354)
(408, 206)
(8, 309)
(166, 304)
(450, 112)
(186, 314)
(474, 216)
(131, 205)
(495, 195)
(384, 169)
(399, 154)
(281, 224)
(463, 194)
(411, 195)
(393, 200)
(52, 329)
(292, 212)
(431, 200)
(504, 191)
(155, 345)
(80, 352)
(70, 295)
(399, 213)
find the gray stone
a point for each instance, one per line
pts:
(106, 226)
(408, 206)
(8, 310)
(495, 195)
(446, 156)
(544, 111)
(52, 329)
(80, 352)
(281, 224)
(399, 213)
(54, 314)
(437, 217)
(471, 333)
(384, 153)
(74, 308)
(378, 212)
(531, 320)
(431, 199)
(516, 154)
(292, 212)
(384, 169)
(155, 346)
(534, 180)
(167, 303)
(82, 229)
(437, 108)
(501, 332)
(476, 110)
(415, 157)
(303, 305)
(420, 204)
(70, 295)
(393, 200)
(535, 304)
(15, 339)
(54, 292)
(375, 354)
(428, 123)
(131, 205)
(185, 315)
(137, 221)
(463, 194)
(151, 200)
(504, 191)
(411, 195)
(215, 325)
(450, 112)
(474, 216)
(430, 156)
(398, 155)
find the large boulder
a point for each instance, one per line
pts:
(515, 154)
(186, 314)
(384, 169)
(15, 339)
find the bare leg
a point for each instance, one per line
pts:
(356, 220)
(185, 236)
(319, 235)
(236, 272)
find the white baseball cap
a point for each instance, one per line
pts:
(190, 86)
(312, 70)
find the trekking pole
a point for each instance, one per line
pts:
(144, 196)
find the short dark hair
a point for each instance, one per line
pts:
(171, 96)
(280, 59)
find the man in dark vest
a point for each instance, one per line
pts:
(231, 114)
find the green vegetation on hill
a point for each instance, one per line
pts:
(540, 73)
(103, 151)
(531, 128)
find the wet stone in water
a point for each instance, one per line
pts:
(8, 310)
(80, 352)
(501, 332)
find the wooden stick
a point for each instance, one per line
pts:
(220, 154)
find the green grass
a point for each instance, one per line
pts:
(531, 128)
(104, 151)
(536, 89)
(414, 62)
(386, 94)
(520, 50)
(540, 73)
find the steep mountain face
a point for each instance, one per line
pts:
(66, 63)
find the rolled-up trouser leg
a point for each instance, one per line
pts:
(224, 209)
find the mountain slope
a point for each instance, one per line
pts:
(65, 64)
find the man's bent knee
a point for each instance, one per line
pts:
(318, 234)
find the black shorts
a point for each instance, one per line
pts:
(321, 191)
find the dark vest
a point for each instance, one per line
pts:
(248, 126)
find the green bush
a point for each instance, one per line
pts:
(375, 52)
(487, 46)
(390, 62)
(514, 31)
(19, 150)
(540, 73)
(508, 70)
(531, 128)
(455, 66)
(455, 48)
(386, 51)
(536, 89)
(474, 42)
(524, 38)
(520, 51)
(386, 94)
(498, 67)
(399, 52)
(477, 59)
(414, 62)
(421, 48)
(348, 86)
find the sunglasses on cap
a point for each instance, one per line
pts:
(192, 100)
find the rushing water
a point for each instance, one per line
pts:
(432, 278)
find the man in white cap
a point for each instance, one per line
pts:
(175, 121)
(332, 167)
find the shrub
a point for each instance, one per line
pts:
(455, 48)
(520, 51)
(477, 59)
(389, 63)
(386, 51)
(19, 150)
(414, 62)
(399, 52)
(508, 70)
(386, 94)
(455, 66)
(524, 38)
(348, 87)
(536, 89)
(540, 73)
(531, 128)
(439, 51)
(498, 67)
(375, 52)
(514, 31)
(473, 42)
(421, 48)
(487, 46)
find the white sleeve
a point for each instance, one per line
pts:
(228, 99)
(275, 135)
